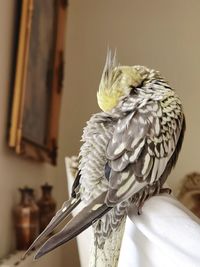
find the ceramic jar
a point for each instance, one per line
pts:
(26, 219)
(47, 206)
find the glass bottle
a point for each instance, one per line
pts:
(47, 206)
(26, 219)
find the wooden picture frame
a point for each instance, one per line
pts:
(33, 129)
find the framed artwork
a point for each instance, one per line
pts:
(33, 127)
(190, 193)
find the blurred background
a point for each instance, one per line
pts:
(163, 35)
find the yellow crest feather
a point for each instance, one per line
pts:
(116, 82)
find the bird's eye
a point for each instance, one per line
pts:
(133, 90)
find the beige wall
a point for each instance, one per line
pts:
(14, 171)
(160, 34)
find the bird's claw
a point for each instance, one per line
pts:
(150, 191)
(165, 191)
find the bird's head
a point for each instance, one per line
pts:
(116, 83)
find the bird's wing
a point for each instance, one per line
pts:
(140, 149)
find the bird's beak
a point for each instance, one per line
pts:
(85, 218)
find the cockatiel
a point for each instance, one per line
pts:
(128, 152)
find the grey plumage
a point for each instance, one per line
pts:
(127, 152)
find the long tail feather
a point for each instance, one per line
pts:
(66, 209)
(86, 217)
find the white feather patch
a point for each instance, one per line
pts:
(146, 163)
(135, 141)
(96, 206)
(126, 187)
(161, 167)
(120, 148)
(124, 175)
(157, 126)
(161, 151)
(136, 152)
(155, 170)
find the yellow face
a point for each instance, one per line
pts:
(108, 100)
(117, 85)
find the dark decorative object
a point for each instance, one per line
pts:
(33, 126)
(26, 219)
(190, 193)
(47, 206)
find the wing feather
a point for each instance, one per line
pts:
(140, 149)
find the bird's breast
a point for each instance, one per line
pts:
(96, 136)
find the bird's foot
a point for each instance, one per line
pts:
(149, 191)
(140, 200)
(139, 209)
(165, 191)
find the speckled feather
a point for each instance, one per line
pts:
(127, 154)
(137, 140)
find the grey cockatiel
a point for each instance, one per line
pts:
(128, 152)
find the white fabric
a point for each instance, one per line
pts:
(166, 234)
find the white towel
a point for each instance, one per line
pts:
(166, 234)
